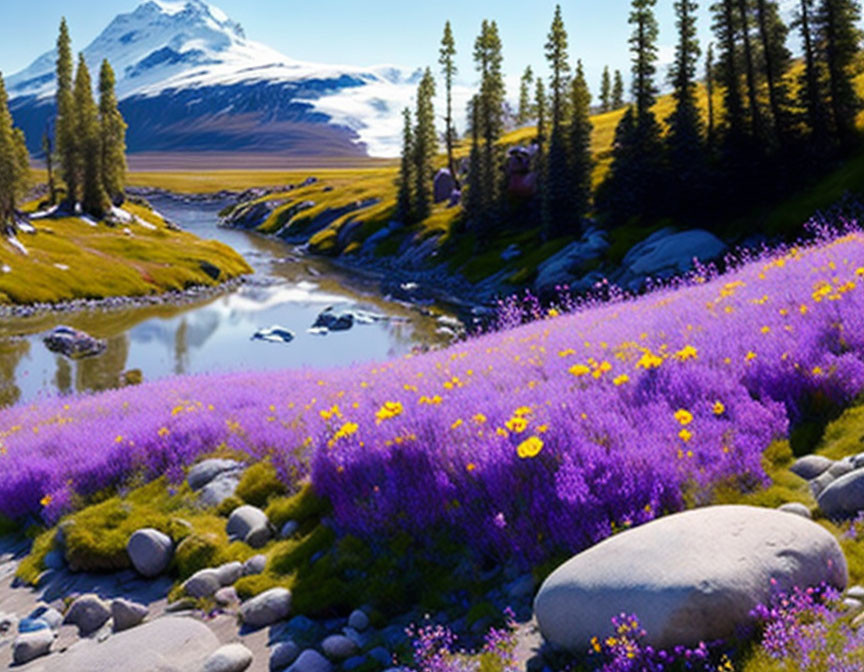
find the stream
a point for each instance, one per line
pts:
(287, 289)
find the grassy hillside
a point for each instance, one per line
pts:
(72, 259)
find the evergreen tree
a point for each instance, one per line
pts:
(684, 140)
(835, 23)
(94, 200)
(407, 180)
(557, 198)
(643, 45)
(581, 159)
(618, 91)
(812, 94)
(14, 164)
(709, 90)
(606, 91)
(556, 55)
(67, 139)
(540, 106)
(425, 147)
(490, 105)
(112, 135)
(526, 109)
(449, 70)
(754, 108)
(777, 61)
(48, 151)
(729, 73)
(473, 201)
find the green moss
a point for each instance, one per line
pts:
(249, 586)
(259, 484)
(303, 507)
(197, 551)
(34, 564)
(226, 508)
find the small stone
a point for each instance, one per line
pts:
(358, 620)
(844, 497)
(311, 661)
(267, 608)
(230, 573)
(203, 583)
(381, 656)
(857, 592)
(339, 647)
(283, 654)
(7, 622)
(245, 519)
(229, 658)
(205, 471)
(353, 663)
(851, 604)
(183, 604)
(259, 536)
(150, 551)
(219, 489)
(227, 595)
(289, 529)
(31, 646)
(48, 614)
(255, 565)
(127, 614)
(796, 508)
(89, 612)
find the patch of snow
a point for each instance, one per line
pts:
(121, 214)
(24, 227)
(14, 242)
(145, 224)
(62, 267)
(44, 214)
(5, 268)
(87, 219)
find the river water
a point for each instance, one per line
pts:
(287, 289)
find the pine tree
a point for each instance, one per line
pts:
(407, 180)
(556, 55)
(67, 140)
(446, 57)
(490, 107)
(812, 94)
(473, 199)
(14, 164)
(112, 135)
(526, 109)
(581, 159)
(618, 91)
(776, 62)
(709, 90)
(557, 198)
(425, 147)
(541, 103)
(48, 151)
(754, 106)
(728, 73)
(606, 91)
(643, 45)
(684, 140)
(94, 200)
(835, 23)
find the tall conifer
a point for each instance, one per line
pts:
(407, 180)
(446, 58)
(557, 196)
(606, 91)
(94, 200)
(14, 164)
(425, 146)
(618, 91)
(67, 137)
(113, 136)
(526, 108)
(581, 159)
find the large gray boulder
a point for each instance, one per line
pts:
(31, 645)
(203, 583)
(267, 608)
(89, 612)
(220, 488)
(567, 266)
(204, 472)
(811, 466)
(169, 643)
(843, 497)
(689, 577)
(229, 658)
(246, 521)
(150, 551)
(443, 185)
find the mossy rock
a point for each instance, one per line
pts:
(259, 484)
(197, 551)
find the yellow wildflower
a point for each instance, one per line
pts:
(346, 430)
(389, 410)
(530, 447)
(621, 380)
(687, 352)
(479, 418)
(719, 408)
(683, 416)
(579, 370)
(517, 424)
(685, 435)
(46, 500)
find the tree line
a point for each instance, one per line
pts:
(782, 120)
(88, 144)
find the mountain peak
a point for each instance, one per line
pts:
(189, 11)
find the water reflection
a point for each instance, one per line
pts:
(288, 290)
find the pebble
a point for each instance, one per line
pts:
(339, 647)
(796, 508)
(311, 661)
(358, 620)
(283, 654)
(255, 565)
(31, 646)
(203, 583)
(229, 658)
(229, 573)
(267, 608)
(127, 614)
(89, 612)
(227, 595)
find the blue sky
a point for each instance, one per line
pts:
(402, 32)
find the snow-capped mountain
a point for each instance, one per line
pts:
(189, 80)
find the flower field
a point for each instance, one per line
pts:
(528, 441)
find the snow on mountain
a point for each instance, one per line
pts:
(189, 74)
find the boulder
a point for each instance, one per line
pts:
(89, 612)
(50, 615)
(168, 643)
(203, 583)
(358, 620)
(443, 185)
(220, 488)
(251, 215)
(455, 198)
(204, 472)
(32, 645)
(127, 614)
(259, 536)
(244, 520)
(283, 654)
(74, 343)
(267, 608)
(843, 497)
(229, 573)
(229, 658)
(811, 466)
(334, 320)
(150, 551)
(255, 565)
(797, 508)
(567, 266)
(311, 661)
(689, 577)
(339, 647)
(274, 334)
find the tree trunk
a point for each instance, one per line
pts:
(773, 95)
(751, 75)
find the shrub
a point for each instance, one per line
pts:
(259, 484)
